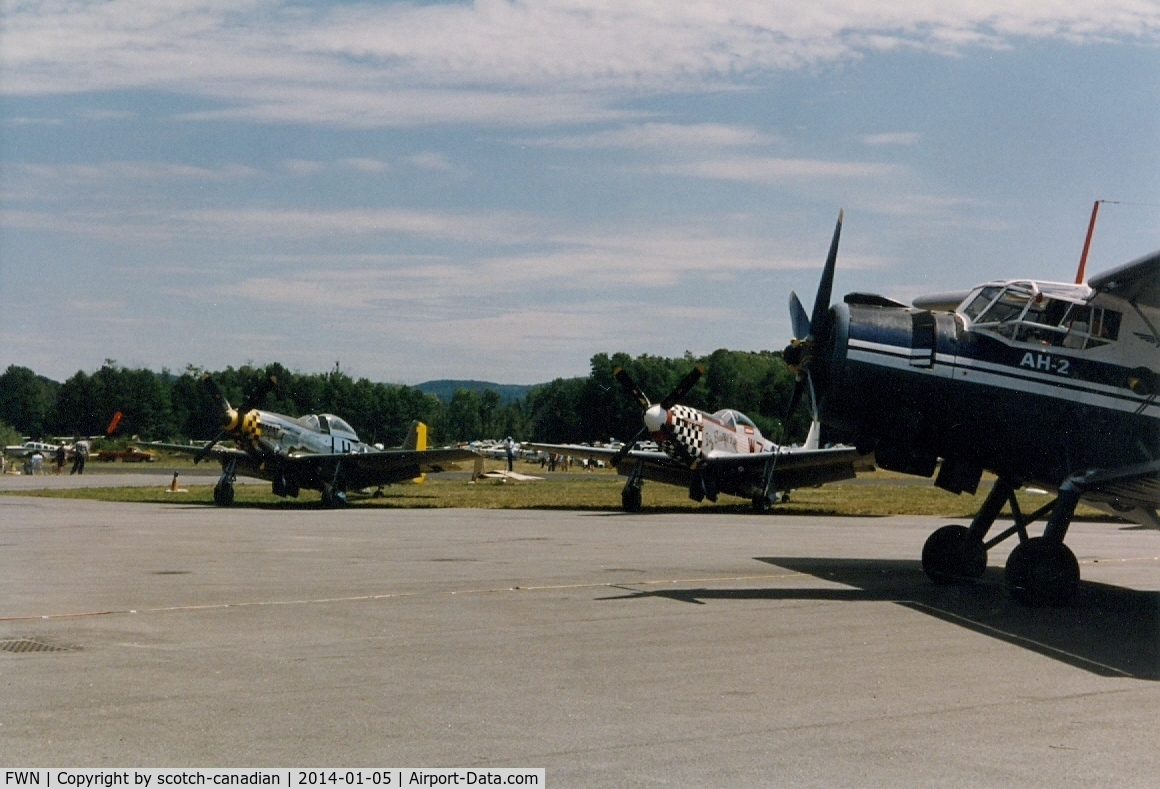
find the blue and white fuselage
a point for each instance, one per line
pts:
(1032, 380)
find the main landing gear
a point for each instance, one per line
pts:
(1040, 571)
(762, 502)
(334, 492)
(630, 497)
(223, 491)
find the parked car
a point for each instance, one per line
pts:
(129, 454)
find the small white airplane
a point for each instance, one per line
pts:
(29, 448)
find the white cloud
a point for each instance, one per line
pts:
(367, 165)
(663, 136)
(431, 161)
(891, 138)
(511, 62)
(303, 166)
(771, 170)
(22, 120)
(122, 170)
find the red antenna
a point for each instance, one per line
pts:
(1088, 241)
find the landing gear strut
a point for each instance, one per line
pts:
(762, 503)
(630, 497)
(333, 494)
(1040, 571)
(223, 491)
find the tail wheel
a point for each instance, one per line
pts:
(1042, 572)
(951, 557)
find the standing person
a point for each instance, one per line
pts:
(60, 456)
(509, 450)
(80, 455)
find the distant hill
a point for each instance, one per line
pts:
(444, 389)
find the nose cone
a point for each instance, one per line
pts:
(654, 418)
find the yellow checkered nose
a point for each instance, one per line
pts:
(250, 424)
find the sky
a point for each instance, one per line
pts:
(499, 190)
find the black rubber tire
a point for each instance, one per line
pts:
(332, 498)
(630, 499)
(950, 557)
(762, 504)
(1042, 573)
(223, 495)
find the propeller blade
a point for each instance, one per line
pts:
(257, 397)
(200, 456)
(622, 453)
(798, 317)
(116, 420)
(826, 286)
(687, 383)
(630, 386)
(215, 392)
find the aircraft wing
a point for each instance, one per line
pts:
(370, 469)
(1132, 492)
(216, 453)
(600, 453)
(795, 467)
(1137, 281)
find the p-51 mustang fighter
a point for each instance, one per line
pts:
(1041, 383)
(316, 451)
(723, 452)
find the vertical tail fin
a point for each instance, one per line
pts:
(417, 439)
(416, 436)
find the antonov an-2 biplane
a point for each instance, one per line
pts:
(722, 452)
(1042, 383)
(317, 451)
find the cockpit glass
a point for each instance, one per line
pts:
(310, 422)
(1008, 306)
(980, 302)
(726, 417)
(742, 419)
(340, 426)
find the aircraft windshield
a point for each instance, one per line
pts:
(1023, 313)
(725, 417)
(728, 416)
(310, 422)
(337, 425)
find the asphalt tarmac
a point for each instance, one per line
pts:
(612, 649)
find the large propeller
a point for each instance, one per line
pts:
(233, 420)
(808, 332)
(654, 415)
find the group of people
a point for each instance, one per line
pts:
(34, 463)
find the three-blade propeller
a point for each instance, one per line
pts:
(809, 332)
(232, 420)
(671, 399)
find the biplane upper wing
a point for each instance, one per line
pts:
(1137, 281)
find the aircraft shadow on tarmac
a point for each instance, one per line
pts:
(1107, 630)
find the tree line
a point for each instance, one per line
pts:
(177, 406)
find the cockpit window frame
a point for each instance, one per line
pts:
(1043, 321)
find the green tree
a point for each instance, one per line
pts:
(24, 400)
